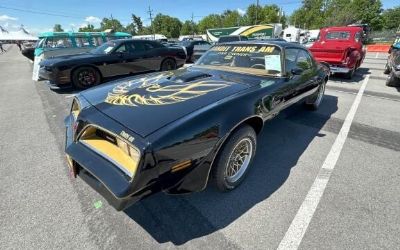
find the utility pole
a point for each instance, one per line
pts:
(112, 23)
(256, 13)
(192, 26)
(150, 11)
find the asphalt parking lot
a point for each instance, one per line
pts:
(351, 145)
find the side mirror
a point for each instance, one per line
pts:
(297, 71)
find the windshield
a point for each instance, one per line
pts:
(258, 59)
(106, 48)
(40, 43)
(185, 43)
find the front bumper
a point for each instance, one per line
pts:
(55, 77)
(101, 174)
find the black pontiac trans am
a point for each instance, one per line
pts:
(114, 58)
(173, 131)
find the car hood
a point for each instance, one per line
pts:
(146, 103)
(67, 58)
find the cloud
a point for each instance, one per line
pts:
(241, 12)
(7, 18)
(92, 20)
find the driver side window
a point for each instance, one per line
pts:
(297, 59)
(290, 59)
(304, 61)
(121, 48)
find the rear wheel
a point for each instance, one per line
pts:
(315, 100)
(234, 159)
(85, 77)
(387, 69)
(392, 80)
(168, 64)
(349, 75)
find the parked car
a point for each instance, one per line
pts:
(114, 58)
(232, 38)
(171, 131)
(392, 67)
(189, 46)
(341, 48)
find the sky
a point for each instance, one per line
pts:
(41, 15)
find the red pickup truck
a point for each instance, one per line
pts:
(340, 48)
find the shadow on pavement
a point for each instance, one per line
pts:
(179, 219)
(359, 75)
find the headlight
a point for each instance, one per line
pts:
(110, 146)
(397, 67)
(129, 150)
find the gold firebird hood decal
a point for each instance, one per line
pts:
(154, 94)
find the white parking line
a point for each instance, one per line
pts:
(299, 225)
(377, 54)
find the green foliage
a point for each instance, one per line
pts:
(58, 28)
(263, 14)
(167, 25)
(189, 28)
(391, 18)
(314, 14)
(88, 28)
(209, 22)
(114, 24)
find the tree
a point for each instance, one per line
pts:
(254, 14)
(231, 18)
(167, 25)
(368, 11)
(339, 13)
(189, 28)
(391, 18)
(209, 22)
(58, 28)
(111, 24)
(137, 21)
(271, 14)
(88, 28)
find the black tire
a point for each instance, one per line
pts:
(314, 101)
(168, 64)
(85, 77)
(243, 135)
(387, 69)
(392, 80)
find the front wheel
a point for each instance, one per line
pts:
(315, 100)
(85, 77)
(234, 160)
(168, 64)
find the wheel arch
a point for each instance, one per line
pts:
(166, 58)
(75, 68)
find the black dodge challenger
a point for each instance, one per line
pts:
(173, 131)
(114, 58)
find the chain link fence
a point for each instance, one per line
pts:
(384, 36)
